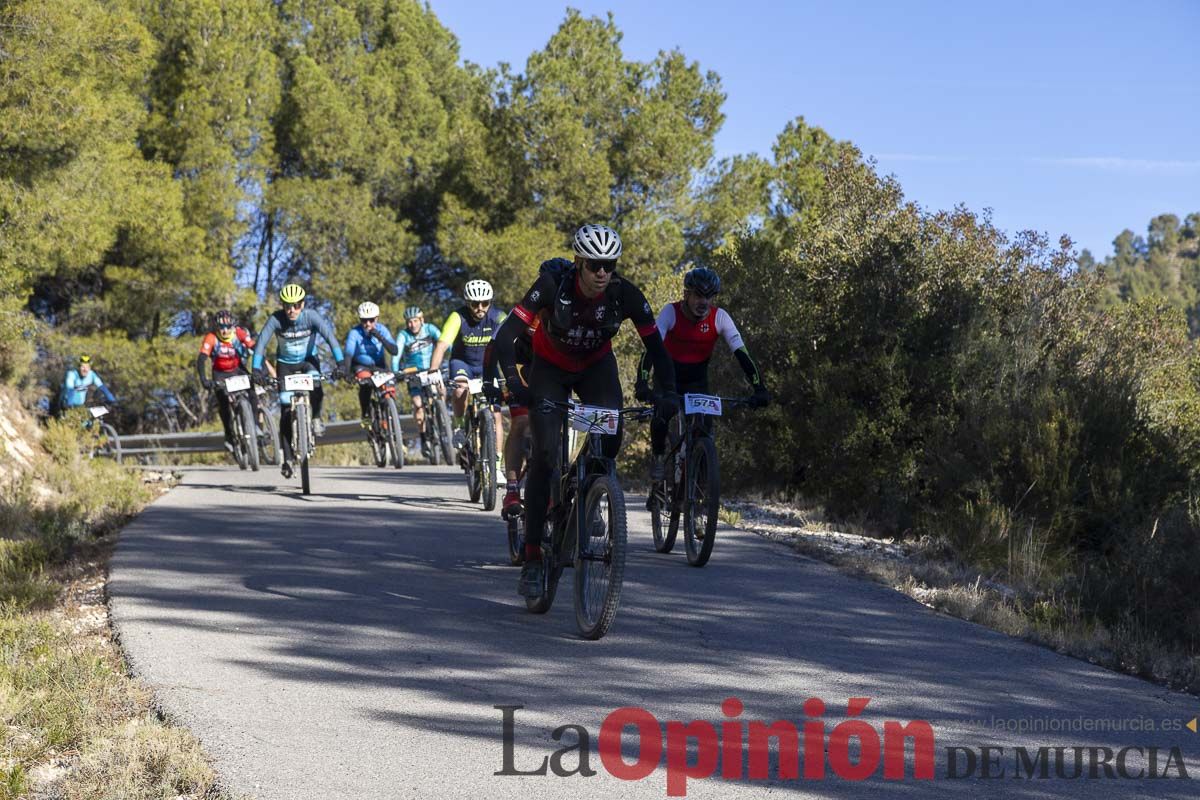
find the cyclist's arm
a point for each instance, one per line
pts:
(325, 328)
(264, 338)
(353, 339)
(640, 314)
(539, 296)
(385, 339)
(104, 390)
(449, 333)
(664, 323)
(728, 330)
(503, 348)
(206, 348)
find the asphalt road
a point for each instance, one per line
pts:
(355, 643)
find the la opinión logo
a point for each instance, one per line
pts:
(739, 749)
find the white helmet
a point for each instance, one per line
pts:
(368, 310)
(477, 291)
(598, 242)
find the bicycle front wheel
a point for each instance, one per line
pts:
(111, 446)
(247, 441)
(303, 432)
(395, 436)
(551, 572)
(268, 438)
(487, 456)
(703, 502)
(379, 450)
(437, 407)
(600, 557)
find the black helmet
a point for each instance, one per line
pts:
(703, 281)
(224, 318)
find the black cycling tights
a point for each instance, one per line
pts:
(598, 385)
(285, 411)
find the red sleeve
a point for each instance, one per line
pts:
(206, 346)
(525, 315)
(638, 311)
(245, 337)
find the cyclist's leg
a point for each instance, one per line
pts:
(318, 392)
(418, 404)
(223, 409)
(282, 370)
(550, 383)
(600, 385)
(364, 392)
(514, 446)
(460, 373)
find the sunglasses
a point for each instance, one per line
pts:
(479, 304)
(291, 306)
(226, 327)
(595, 266)
(365, 320)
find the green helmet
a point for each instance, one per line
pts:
(292, 293)
(412, 312)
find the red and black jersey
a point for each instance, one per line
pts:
(228, 356)
(576, 331)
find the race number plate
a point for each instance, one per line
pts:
(98, 411)
(238, 383)
(475, 385)
(259, 390)
(702, 404)
(593, 419)
(380, 378)
(302, 382)
(431, 378)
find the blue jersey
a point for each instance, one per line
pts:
(416, 351)
(297, 340)
(365, 350)
(75, 388)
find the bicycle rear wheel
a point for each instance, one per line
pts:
(516, 540)
(703, 502)
(600, 560)
(268, 439)
(247, 442)
(550, 576)
(441, 415)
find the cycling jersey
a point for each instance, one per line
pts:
(75, 388)
(576, 331)
(468, 338)
(365, 350)
(297, 340)
(692, 342)
(227, 356)
(416, 350)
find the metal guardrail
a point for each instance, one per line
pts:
(214, 441)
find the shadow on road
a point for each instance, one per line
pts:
(377, 584)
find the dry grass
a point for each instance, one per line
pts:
(75, 725)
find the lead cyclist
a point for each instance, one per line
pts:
(572, 351)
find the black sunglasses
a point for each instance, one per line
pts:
(477, 304)
(593, 265)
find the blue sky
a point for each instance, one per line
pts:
(1063, 117)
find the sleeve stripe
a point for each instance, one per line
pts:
(523, 314)
(646, 330)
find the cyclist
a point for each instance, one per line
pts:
(368, 345)
(77, 383)
(416, 343)
(228, 349)
(572, 351)
(690, 329)
(514, 445)
(466, 334)
(297, 328)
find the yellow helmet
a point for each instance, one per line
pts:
(292, 293)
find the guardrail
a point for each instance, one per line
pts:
(214, 441)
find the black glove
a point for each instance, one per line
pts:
(492, 392)
(338, 373)
(259, 376)
(206, 383)
(761, 398)
(519, 393)
(641, 391)
(666, 405)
